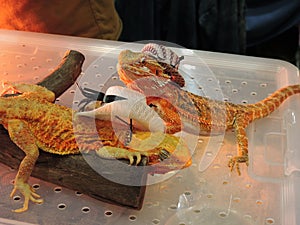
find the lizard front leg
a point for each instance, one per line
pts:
(242, 141)
(19, 133)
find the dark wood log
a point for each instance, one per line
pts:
(65, 74)
(82, 173)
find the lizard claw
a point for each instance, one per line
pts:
(29, 195)
(144, 161)
(134, 155)
(164, 154)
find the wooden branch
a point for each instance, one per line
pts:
(65, 74)
(75, 171)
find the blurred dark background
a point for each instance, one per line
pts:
(267, 28)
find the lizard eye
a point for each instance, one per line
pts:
(143, 59)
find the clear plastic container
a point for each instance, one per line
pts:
(205, 193)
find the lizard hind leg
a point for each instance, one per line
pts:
(242, 145)
(18, 132)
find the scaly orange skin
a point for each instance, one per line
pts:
(182, 110)
(34, 122)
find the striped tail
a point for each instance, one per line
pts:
(271, 103)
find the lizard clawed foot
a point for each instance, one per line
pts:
(235, 162)
(109, 152)
(29, 194)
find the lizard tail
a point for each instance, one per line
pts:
(272, 102)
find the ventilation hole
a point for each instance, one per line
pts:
(114, 78)
(216, 166)
(18, 57)
(237, 200)
(20, 75)
(234, 90)
(209, 196)
(20, 66)
(248, 217)
(217, 89)
(200, 88)
(181, 223)
(132, 218)
(17, 198)
(48, 60)
(11, 169)
(36, 186)
(95, 66)
(98, 75)
(148, 204)
(259, 202)
(32, 58)
(12, 182)
(209, 79)
(225, 182)
(229, 156)
(244, 83)
(197, 211)
(253, 93)
(85, 83)
(72, 91)
(85, 209)
(200, 140)
(187, 193)
(270, 220)
(173, 207)
(222, 214)
(35, 67)
(61, 206)
(179, 176)
(57, 189)
(221, 143)
(76, 102)
(78, 193)
(100, 85)
(263, 85)
(225, 99)
(108, 213)
(209, 154)
(111, 67)
(155, 221)
(248, 185)
(227, 81)
(57, 100)
(36, 78)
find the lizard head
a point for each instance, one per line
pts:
(137, 65)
